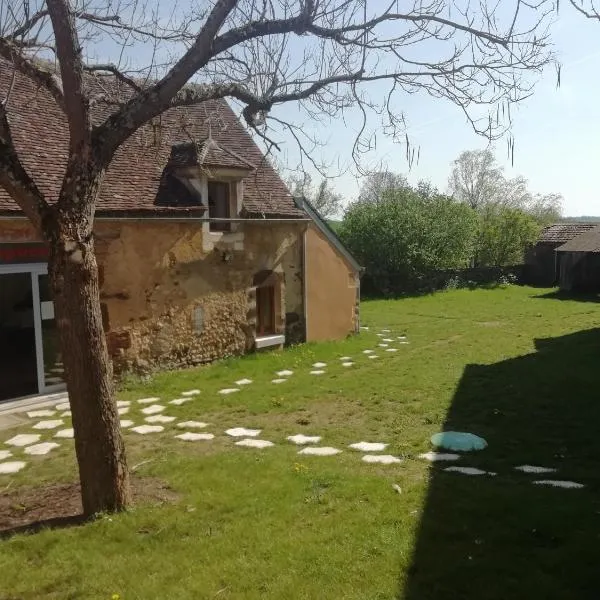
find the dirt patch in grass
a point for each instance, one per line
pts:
(59, 504)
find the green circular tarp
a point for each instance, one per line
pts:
(457, 440)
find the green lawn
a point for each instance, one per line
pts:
(509, 364)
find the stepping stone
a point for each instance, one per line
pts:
(65, 433)
(63, 406)
(23, 439)
(4, 454)
(123, 411)
(125, 423)
(41, 449)
(243, 432)
(439, 456)
(319, 365)
(403, 342)
(368, 351)
(152, 410)
(144, 429)
(300, 439)
(148, 400)
(190, 393)
(383, 345)
(401, 337)
(228, 391)
(386, 331)
(468, 471)
(317, 372)
(392, 350)
(35, 414)
(387, 340)
(255, 443)
(123, 403)
(373, 356)
(278, 380)
(159, 419)
(384, 459)
(369, 446)
(244, 381)
(192, 425)
(67, 413)
(560, 484)
(345, 358)
(52, 424)
(8, 468)
(380, 334)
(347, 364)
(284, 373)
(180, 401)
(534, 469)
(189, 436)
(364, 327)
(319, 451)
(458, 440)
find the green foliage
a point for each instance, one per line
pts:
(504, 236)
(405, 235)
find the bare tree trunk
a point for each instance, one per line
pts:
(99, 446)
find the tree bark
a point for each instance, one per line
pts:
(73, 271)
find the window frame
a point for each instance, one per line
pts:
(219, 226)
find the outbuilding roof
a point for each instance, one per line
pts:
(563, 232)
(585, 242)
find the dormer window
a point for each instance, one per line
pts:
(219, 205)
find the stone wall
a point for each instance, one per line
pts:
(169, 299)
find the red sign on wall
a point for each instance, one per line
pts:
(17, 254)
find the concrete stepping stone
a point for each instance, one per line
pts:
(317, 372)
(4, 454)
(382, 345)
(458, 441)
(190, 436)
(392, 350)
(123, 411)
(534, 469)
(251, 443)
(345, 358)
(243, 432)
(384, 459)
(278, 380)
(300, 439)
(387, 340)
(8, 468)
(386, 331)
(368, 351)
(573, 485)
(347, 364)
(468, 471)
(36, 414)
(401, 337)
(373, 356)
(63, 406)
(66, 413)
(148, 400)
(159, 419)
(192, 425)
(125, 423)
(227, 391)
(319, 365)
(123, 403)
(52, 424)
(41, 449)
(190, 393)
(403, 342)
(364, 327)
(180, 401)
(65, 433)
(369, 446)
(152, 410)
(319, 451)
(380, 334)
(284, 373)
(23, 439)
(439, 456)
(144, 429)
(243, 382)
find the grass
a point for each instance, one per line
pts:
(513, 364)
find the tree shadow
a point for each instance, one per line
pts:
(573, 296)
(37, 526)
(500, 537)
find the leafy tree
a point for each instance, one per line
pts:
(320, 54)
(404, 236)
(378, 183)
(323, 198)
(504, 236)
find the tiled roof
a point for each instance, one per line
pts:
(563, 232)
(208, 153)
(134, 177)
(584, 242)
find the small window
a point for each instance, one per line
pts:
(219, 205)
(265, 310)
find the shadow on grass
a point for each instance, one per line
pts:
(36, 527)
(494, 538)
(573, 296)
